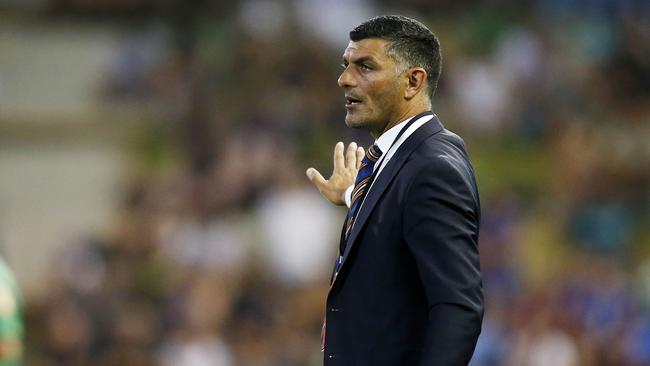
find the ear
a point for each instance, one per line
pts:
(416, 82)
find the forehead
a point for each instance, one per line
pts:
(369, 47)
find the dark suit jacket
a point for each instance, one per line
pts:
(409, 290)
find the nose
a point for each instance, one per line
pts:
(345, 79)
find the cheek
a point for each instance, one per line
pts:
(387, 94)
(383, 91)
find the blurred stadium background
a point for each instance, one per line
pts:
(153, 203)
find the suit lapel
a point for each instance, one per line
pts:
(386, 177)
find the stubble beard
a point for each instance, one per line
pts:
(362, 121)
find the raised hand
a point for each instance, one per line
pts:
(345, 172)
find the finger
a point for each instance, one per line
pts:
(360, 154)
(316, 178)
(339, 162)
(351, 155)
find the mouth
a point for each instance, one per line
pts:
(351, 101)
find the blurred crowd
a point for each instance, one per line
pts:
(221, 250)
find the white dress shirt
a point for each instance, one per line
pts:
(384, 143)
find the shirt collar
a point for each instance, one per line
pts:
(387, 138)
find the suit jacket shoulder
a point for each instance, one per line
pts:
(443, 156)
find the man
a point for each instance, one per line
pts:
(406, 288)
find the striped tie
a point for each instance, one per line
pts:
(361, 186)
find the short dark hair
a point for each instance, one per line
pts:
(411, 43)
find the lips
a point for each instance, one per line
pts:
(351, 100)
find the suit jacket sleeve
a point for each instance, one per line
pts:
(441, 223)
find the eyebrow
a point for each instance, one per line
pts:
(360, 60)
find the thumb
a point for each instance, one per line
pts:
(315, 177)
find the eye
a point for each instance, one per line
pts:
(365, 67)
(344, 65)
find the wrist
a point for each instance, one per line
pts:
(347, 196)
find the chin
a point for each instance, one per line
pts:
(355, 122)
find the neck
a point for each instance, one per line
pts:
(414, 110)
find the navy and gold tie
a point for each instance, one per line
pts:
(361, 186)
